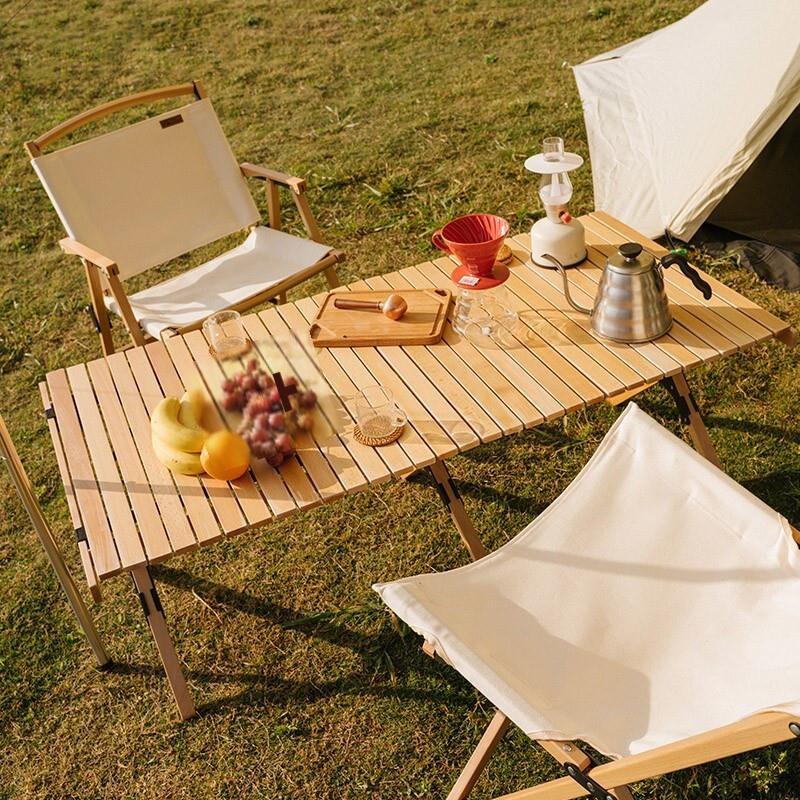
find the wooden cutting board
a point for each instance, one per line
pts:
(423, 323)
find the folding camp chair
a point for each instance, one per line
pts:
(19, 478)
(141, 195)
(646, 612)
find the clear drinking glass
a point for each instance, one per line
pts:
(377, 414)
(484, 313)
(225, 333)
(553, 148)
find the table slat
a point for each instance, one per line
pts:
(159, 478)
(489, 415)
(584, 290)
(482, 362)
(440, 407)
(471, 412)
(414, 446)
(393, 456)
(716, 311)
(69, 490)
(118, 510)
(535, 356)
(311, 457)
(205, 524)
(548, 325)
(619, 360)
(330, 407)
(154, 536)
(274, 490)
(183, 511)
(222, 495)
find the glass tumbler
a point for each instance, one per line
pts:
(483, 313)
(377, 414)
(225, 333)
(553, 148)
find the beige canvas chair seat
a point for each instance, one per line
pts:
(266, 258)
(654, 600)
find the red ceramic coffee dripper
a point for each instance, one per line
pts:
(475, 240)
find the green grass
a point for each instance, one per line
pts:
(402, 114)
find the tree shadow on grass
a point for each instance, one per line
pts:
(383, 651)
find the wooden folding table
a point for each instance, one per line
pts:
(130, 512)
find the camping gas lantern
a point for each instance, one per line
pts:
(557, 235)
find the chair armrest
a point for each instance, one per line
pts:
(297, 185)
(76, 248)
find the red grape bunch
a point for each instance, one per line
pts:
(265, 426)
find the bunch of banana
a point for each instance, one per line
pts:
(177, 435)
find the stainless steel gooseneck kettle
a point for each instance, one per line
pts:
(631, 304)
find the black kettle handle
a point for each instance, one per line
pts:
(689, 271)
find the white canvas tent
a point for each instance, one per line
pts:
(699, 121)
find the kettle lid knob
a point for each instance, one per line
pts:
(630, 251)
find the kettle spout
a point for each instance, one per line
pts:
(560, 267)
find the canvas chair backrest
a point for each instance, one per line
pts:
(152, 191)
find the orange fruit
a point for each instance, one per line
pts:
(225, 456)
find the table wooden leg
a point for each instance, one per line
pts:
(452, 501)
(154, 613)
(678, 387)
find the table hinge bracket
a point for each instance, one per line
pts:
(684, 409)
(455, 491)
(156, 601)
(80, 535)
(443, 496)
(144, 605)
(90, 311)
(595, 790)
(50, 412)
(441, 488)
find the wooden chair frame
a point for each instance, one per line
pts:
(102, 274)
(611, 780)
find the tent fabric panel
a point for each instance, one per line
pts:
(710, 91)
(622, 176)
(765, 202)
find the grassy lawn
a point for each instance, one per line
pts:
(401, 114)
